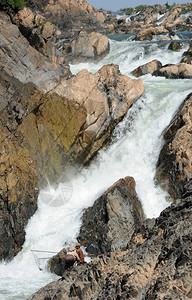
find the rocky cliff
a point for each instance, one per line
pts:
(174, 167)
(50, 120)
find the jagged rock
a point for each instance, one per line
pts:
(40, 33)
(92, 46)
(46, 133)
(29, 122)
(26, 63)
(106, 96)
(181, 70)
(111, 221)
(150, 67)
(156, 264)
(175, 46)
(56, 264)
(187, 55)
(174, 164)
(148, 33)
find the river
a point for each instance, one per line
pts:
(134, 151)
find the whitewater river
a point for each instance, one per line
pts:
(136, 144)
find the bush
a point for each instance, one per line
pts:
(12, 6)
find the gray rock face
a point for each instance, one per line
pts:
(156, 264)
(174, 166)
(25, 63)
(111, 221)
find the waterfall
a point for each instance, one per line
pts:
(134, 151)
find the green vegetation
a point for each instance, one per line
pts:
(169, 6)
(140, 8)
(12, 6)
(39, 24)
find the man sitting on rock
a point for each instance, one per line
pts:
(80, 253)
(71, 258)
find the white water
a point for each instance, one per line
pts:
(134, 151)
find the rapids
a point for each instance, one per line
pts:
(134, 151)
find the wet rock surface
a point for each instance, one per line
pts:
(175, 160)
(44, 133)
(156, 263)
(111, 221)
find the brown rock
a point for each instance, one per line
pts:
(106, 95)
(174, 167)
(150, 67)
(147, 33)
(187, 55)
(111, 221)
(156, 264)
(182, 70)
(26, 63)
(92, 46)
(46, 134)
(175, 46)
(29, 123)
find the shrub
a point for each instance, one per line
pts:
(12, 6)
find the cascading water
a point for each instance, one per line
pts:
(134, 151)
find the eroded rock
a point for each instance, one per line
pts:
(106, 96)
(181, 70)
(174, 167)
(111, 221)
(148, 68)
(157, 262)
(92, 46)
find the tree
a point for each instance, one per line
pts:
(12, 6)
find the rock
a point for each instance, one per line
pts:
(29, 124)
(164, 39)
(181, 70)
(56, 264)
(40, 33)
(26, 63)
(147, 34)
(156, 264)
(148, 68)
(174, 167)
(111, 221)
(93, 46)
(114, 92)
(48, 133)
(175, 46)
(187, 55)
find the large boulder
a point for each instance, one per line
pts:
(181, 70)
(93, 46)
(56, 264)
(174, 167)
(147, 33)
(156, 265)
(175, 46)
(187, 55)
(106, 96)
(147, 68)
(111, 221)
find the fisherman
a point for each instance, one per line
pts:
(71, 258)
(80, 253)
